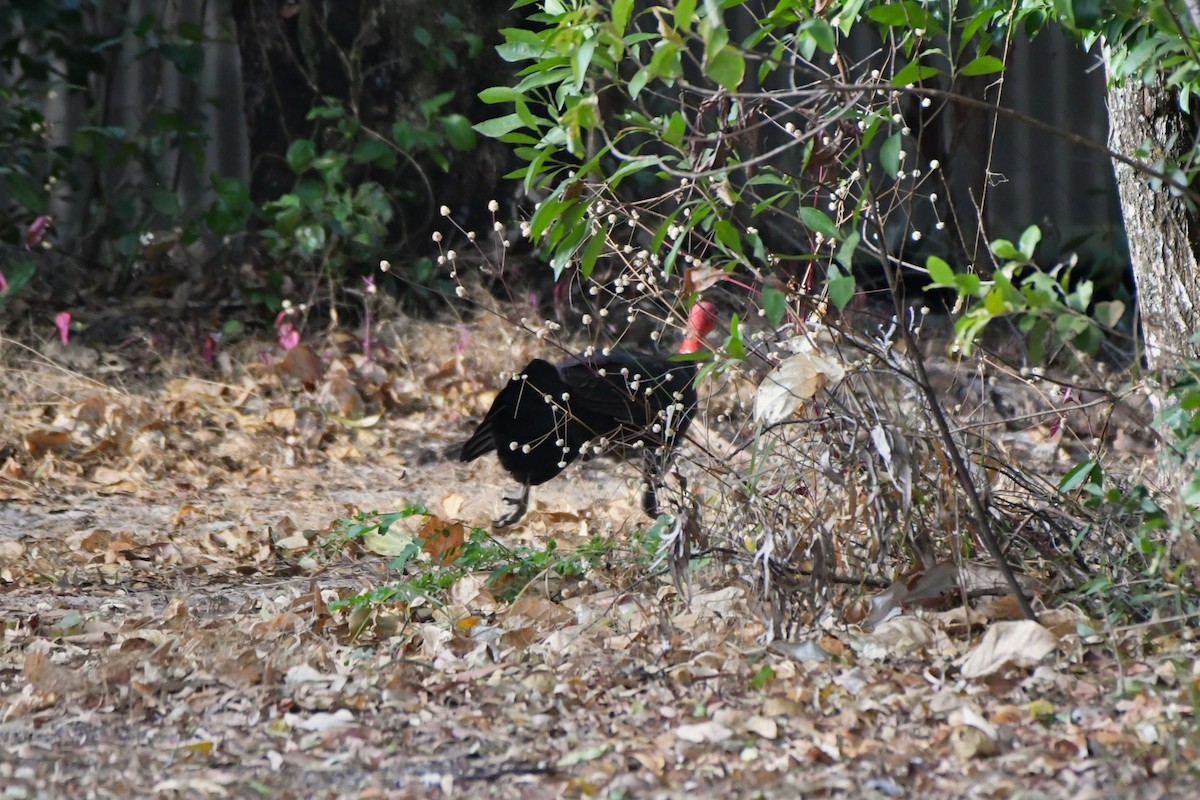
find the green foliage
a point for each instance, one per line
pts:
(509, 569)
(331, 219)
(120, 179)
(1050, 307)
(591, 115)
(1142, 522)
(594, 111)
(360, 178)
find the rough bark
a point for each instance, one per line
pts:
(1163, 235)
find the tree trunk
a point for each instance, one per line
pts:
(1163, 235)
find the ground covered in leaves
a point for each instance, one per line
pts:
(193, 606)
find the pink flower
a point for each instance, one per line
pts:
(62, 321)
(289, 337)
(3, 284)
(37, 231)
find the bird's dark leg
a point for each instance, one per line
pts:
(651, 476)
(519, 506)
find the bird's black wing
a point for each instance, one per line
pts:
(629, 390)
(530, 425)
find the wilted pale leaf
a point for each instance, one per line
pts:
(902, 635)
(529, 609)
(118, 479)
(345, 396)
(763, 727)
(703, 732)
(321, 720)
(391, 544)
(452, 504)
(1022, 643)
(797, 379)
(801, 651)
(581, 755)
(970, 743)
(700, 278)
(302, 366)
(193, 388)
(283, 418)
(303, 673)
(90, 412)
(295, 541)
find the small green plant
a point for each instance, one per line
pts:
(509, 569)
(1152, 569)
(347, 192)
(120, 172)
(1050, 308)
(332, 219)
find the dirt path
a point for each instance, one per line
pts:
(166, 576)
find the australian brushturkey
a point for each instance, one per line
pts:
(548, 415)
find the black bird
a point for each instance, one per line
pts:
(548, 415)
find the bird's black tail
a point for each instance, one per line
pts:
(480, 444)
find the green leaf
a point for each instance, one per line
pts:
(1109, 313)
(676, 128)
(727, 68)
(430, 106)
(733, 345)
(774, 303)
(1029, 241)
(545, 215)
(581, 756)
(901, 15)
(685, 10)
(521, 45)
(300, 155)
(841, 287)
(889, 154)
(495, 128)
(665, 63)
(914, 72)
(940, 272)
(459, 133)
(821, 33)
(762, 677)
(993, 302)
(500, 94)
(629, 168)
(369, 151)
(637, 83)
(591, 252)
(984, 65)
(1079, 15)
(564, 250)
(968, 284)
(582, 59)
(622, 10)
(1003, 248)
(18, 272)
(727, 234)
(846, 250)
(1080, 474)
(816, 220)
(23, 191)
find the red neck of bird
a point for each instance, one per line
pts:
(701, 320)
